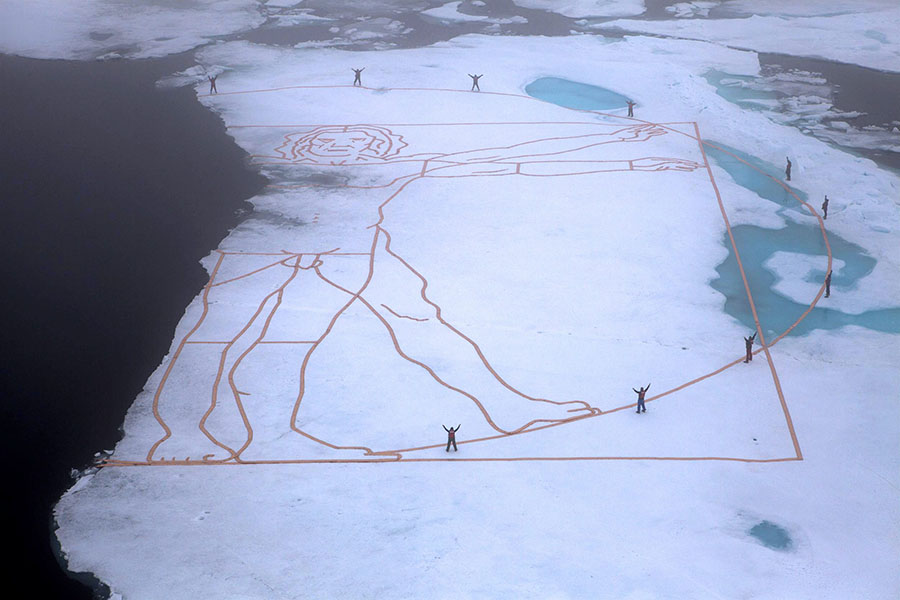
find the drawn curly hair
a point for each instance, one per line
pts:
(371, 143)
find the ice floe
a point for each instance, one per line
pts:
(870, 39)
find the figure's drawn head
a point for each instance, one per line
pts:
(342, 145)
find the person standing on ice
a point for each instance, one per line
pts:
(825, 207)
(212, 84)
(451, 437)
(787, 169)
(828, 284)
(357, 77)
(641, 393)
(630, 108)
(475, 79)
(748, 342)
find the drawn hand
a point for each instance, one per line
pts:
(663, 164)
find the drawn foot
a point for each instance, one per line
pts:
(190, 449)
(527, 414)
(294, 446)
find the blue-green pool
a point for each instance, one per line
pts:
(572, 94)
(757, 244)
(772, 536)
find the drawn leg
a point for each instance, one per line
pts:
(398, 297)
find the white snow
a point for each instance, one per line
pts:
(870, 39)
(92, 28)
(577, 286)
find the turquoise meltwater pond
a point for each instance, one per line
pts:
(772, 536)
(572, 94)
(757, 244)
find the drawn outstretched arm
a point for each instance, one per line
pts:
(555, 146)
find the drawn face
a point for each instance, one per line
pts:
(347, 145)
(340, 145)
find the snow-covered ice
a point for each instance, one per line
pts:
(427, 255)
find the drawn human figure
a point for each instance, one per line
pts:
(212, 84)
(630, 108)
(828, 284)
(357, 76)
(787, 169)
(641, 394)
(825, 207)
(451, 437)
(748, 343)
(475, 79)
(384, 284)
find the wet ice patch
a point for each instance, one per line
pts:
(772, 536)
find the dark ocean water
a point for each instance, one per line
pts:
(111, 193)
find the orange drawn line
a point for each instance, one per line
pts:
(402, 316)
